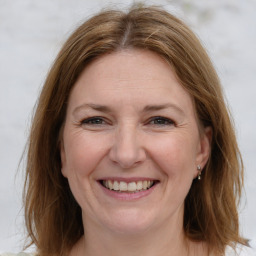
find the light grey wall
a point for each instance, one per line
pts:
(32, 32)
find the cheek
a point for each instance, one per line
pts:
(175, 154)
(83, 153)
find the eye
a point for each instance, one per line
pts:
(161, 121)
(93, 121)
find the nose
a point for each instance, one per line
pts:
(127, 150)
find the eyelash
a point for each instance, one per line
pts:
(163, 121)
(157, 120)
(93, 121)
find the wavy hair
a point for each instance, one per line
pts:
(53, 217)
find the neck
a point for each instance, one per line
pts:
(135, 245)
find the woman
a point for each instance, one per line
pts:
(132, 151)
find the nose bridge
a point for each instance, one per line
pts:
(127, 150)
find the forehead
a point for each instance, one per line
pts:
(130, 77)
(129, 66)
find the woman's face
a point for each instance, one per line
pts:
(131, 143)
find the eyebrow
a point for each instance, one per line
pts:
(147, 108)
(97, 107)
(150, 108)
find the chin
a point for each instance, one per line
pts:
(129, 222)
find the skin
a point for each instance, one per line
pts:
(147, 128)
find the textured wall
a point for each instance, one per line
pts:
(31, 33)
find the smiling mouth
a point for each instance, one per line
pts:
(128, 187)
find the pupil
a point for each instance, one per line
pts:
(160, 121)
(96, 121)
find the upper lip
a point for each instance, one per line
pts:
(127, 180)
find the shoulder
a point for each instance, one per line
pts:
(241, 250)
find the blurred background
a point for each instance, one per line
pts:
(31, 34)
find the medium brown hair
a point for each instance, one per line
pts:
(53, 217)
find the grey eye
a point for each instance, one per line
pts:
(93, 121)
(161, 121)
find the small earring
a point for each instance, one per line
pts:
(199, 172)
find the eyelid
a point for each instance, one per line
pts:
(86, 121)
(101, 121)
(168, 120)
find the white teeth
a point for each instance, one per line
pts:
(124, 186)
(144, 184)
(139, 185)
(110, 184)
(116, 185)
(132, 186)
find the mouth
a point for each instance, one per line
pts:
(128, 187)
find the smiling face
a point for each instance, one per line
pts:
(131, 143)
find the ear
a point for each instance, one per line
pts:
(63, 158)
(204, 148)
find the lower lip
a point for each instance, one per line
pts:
(128, 196)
